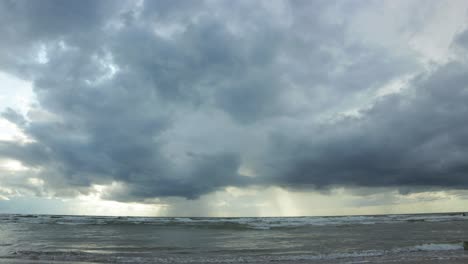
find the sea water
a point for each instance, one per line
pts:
(346, 239)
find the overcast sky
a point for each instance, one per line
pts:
(229, 108)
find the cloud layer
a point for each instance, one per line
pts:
(184, 98)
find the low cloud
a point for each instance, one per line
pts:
(177, 99)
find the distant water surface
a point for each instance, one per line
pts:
(347, 239)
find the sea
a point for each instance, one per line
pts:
(422, 238)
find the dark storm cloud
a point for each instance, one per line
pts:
(26, 25)
(415, 138)
(177, 98)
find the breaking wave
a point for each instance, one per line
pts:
(258, 223)
(127, 258)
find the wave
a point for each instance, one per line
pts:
(376, 253)
(257, 223)
(127, 258)
(436, 247)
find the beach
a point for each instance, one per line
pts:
(428, 238)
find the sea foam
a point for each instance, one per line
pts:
(259, 223)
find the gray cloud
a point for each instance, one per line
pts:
(415, 138)
(178, 98)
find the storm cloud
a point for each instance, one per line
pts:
(184, 98)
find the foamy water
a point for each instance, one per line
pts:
(233, 222)
(231, 240)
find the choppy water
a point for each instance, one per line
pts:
(232, 240)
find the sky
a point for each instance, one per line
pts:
(233, 108)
